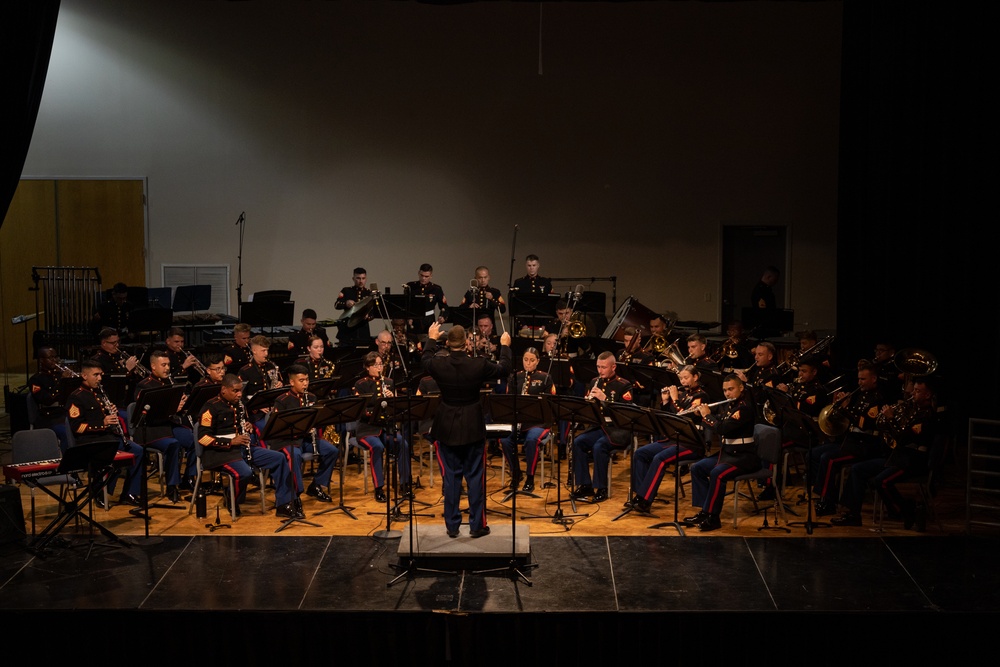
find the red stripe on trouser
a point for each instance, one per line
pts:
(236, 478)
(886, 483)
(659, 469)
(720, 483)
(538, 445)
(829, 471)
(371, 455)
(291, 467)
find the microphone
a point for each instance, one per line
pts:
(145, 408)
(578, 292)
(474, 284)
(374, 287)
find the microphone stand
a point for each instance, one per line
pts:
(241, 221)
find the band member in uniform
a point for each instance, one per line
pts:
(260, 374)
(736, 351)
(650, 462)
(807, 395)
(375, 434)
(237, 355)
(889, 380)
(161, 433)
(184, 367)
(862, 441)
(319, 367)
(44, 387)
(912, 429)
(407, 342)
(224, 416)
(636, 355)
(92, 416)
(459, 426)
(298, 396)
(298, 341)
(531, 282)
(347, 299)
(386, 348)
(115, 312)
(485, 342)
(428, 295)
(607, 387)
(734, 422)
(529, 382)
(762, 374)
(484, 298)
(114, 361)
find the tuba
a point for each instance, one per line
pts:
(915, 363)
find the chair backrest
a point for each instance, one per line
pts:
(70, 436)
(767, 438)
(39, 444)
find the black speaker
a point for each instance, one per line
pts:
(11, 514)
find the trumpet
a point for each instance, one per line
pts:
(198, 366)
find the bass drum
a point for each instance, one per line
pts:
(630, 314)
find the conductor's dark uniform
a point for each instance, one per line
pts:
(459, 428)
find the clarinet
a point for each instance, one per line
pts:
(243, 427)
(110, 410)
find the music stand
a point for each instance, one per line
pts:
(339, 411)
(517, 409)
(560, 371)
(324, 389)
(294, 424)
(264, 399)
(570, 409)
(158, 405)
(635, 419)
(200, 395)
(402, 409)
(192, 297)
(810, 426)
(98, 459)
(268, 313)
(463, 316)
(681, 430)
(531, 310)
(584, 370)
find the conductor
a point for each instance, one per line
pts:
(459, 426)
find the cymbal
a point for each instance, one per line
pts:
(358, 313)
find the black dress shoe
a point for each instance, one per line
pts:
(380, 496)
(847, 519)
(286, 511)
(453, 533)
(825, 509)
(600, 495)
(643, 505)
(187, 484)
(696, 519)
(767, 493)
(713, 522)
(173, 494)
(129, 499)
(299, 512)
(584, 491)
(318, 493)
(529, 484)
(485, 530)
(405, 492)
(100, 503)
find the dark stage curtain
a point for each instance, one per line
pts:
(911, 267)
(26, 31)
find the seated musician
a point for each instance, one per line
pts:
(913, 431)
(736, 351)
(113, 360)
(762, 374)
(734, 423)
(376, 434)
(601, 439)
(633, 354)
(215, 370)
(650, 462)
(860, 409)
(298, 341)
(114, 313)
(92, 416)
(237, 355)
(259, 375)
(385, 346)
(530, 382)
(807, 395)
(319, 367)
(162, 433)
(184, 367)
(44, 387)
(408, 343)
(227, 440)
(298, 396)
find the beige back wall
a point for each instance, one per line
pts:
(619, 137)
